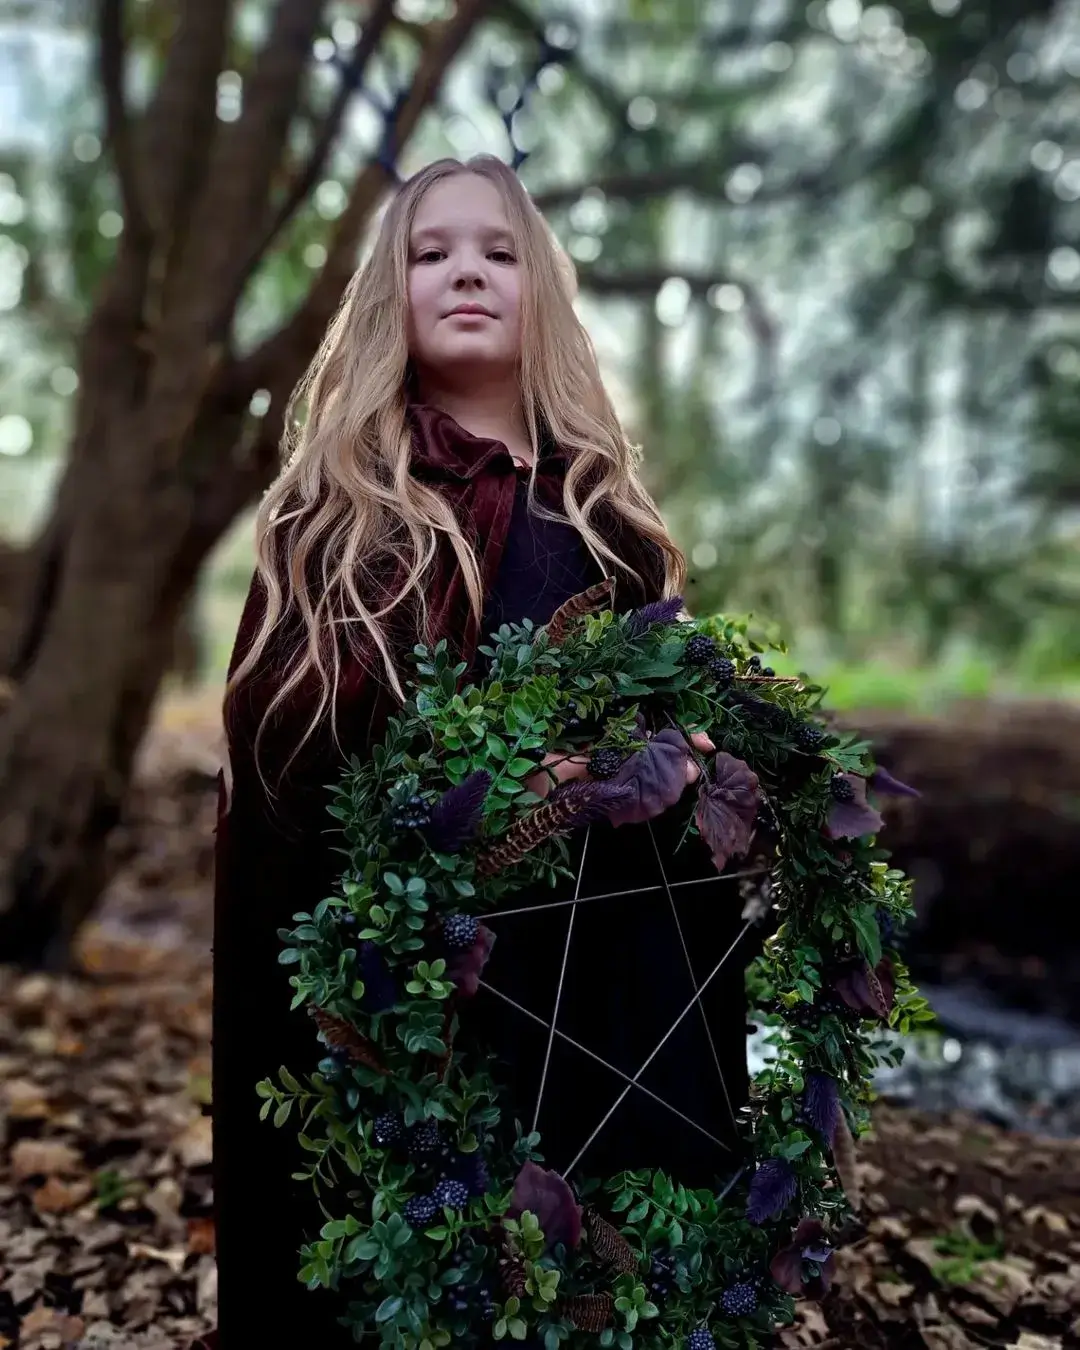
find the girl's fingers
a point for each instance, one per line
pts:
(702, 742)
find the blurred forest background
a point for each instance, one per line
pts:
(830, 256)
(829, 252)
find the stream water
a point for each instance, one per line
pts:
(1012, 1068)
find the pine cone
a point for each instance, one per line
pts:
(341, 1035)
(587, 602)
(592, 1313)
(512, 1272)
(609, 1244)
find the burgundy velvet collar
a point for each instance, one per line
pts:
(442, 448)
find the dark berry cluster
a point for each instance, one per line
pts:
(460, 931)
(424, 1139)
(389, 1129)
(739, 1299)
(420, 1210)
(805, 1015)
(468, 1168)
(841, 788)
(414, 814)
(834, 1004)
(661, 1276)
(573, 721)
(454, 1194)
(605, 763)
(477, 1300)
(722, 671)
(808, 736)
(699, 650)
(764, 713)
(701, 1339)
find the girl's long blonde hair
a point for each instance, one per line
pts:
(345, 513)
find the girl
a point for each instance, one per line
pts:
(459, 466)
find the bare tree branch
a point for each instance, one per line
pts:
(246, 156)
(182, 118)
(305, 181)
(112, 52)
(300, 335)
(644, 282)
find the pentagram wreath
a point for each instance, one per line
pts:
(441, 1226)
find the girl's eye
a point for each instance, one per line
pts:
(429, 255)
(503, 255)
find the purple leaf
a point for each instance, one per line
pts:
(869, 990)
(547, 1195)
(727, 808)
(883, 783)
(455, 817)
(788, 1266)
(465, 968)
(771, 1191)
(851, 820)
(821, 1102)
(659, 612)
(656, 775)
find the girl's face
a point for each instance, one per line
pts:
(464, 282)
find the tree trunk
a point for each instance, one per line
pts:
(165, 454)
(68, 741)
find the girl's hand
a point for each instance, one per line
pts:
(701, 742)
(565, 769)
(577, 766)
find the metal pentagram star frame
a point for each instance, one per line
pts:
(630, 1082)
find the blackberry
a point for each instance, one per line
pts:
(420, 1210)
(763, 712)
(388, 1129)
(701, 1339)
(805, 1015)
(460, 931)
(454, 1194)
(423, 1139)
(841, 789)
(605, 763)
(844, 1012)
(661, 1276)
(413, 815)
(808, 736)
(699, 650)
(739, 1300)
(722, 670)
(468, 1168)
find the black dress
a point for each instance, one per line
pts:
(628, 975)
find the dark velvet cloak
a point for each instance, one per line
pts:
(276, 858)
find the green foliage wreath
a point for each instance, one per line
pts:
(442, 1228)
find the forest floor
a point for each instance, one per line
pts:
(969, 1234)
